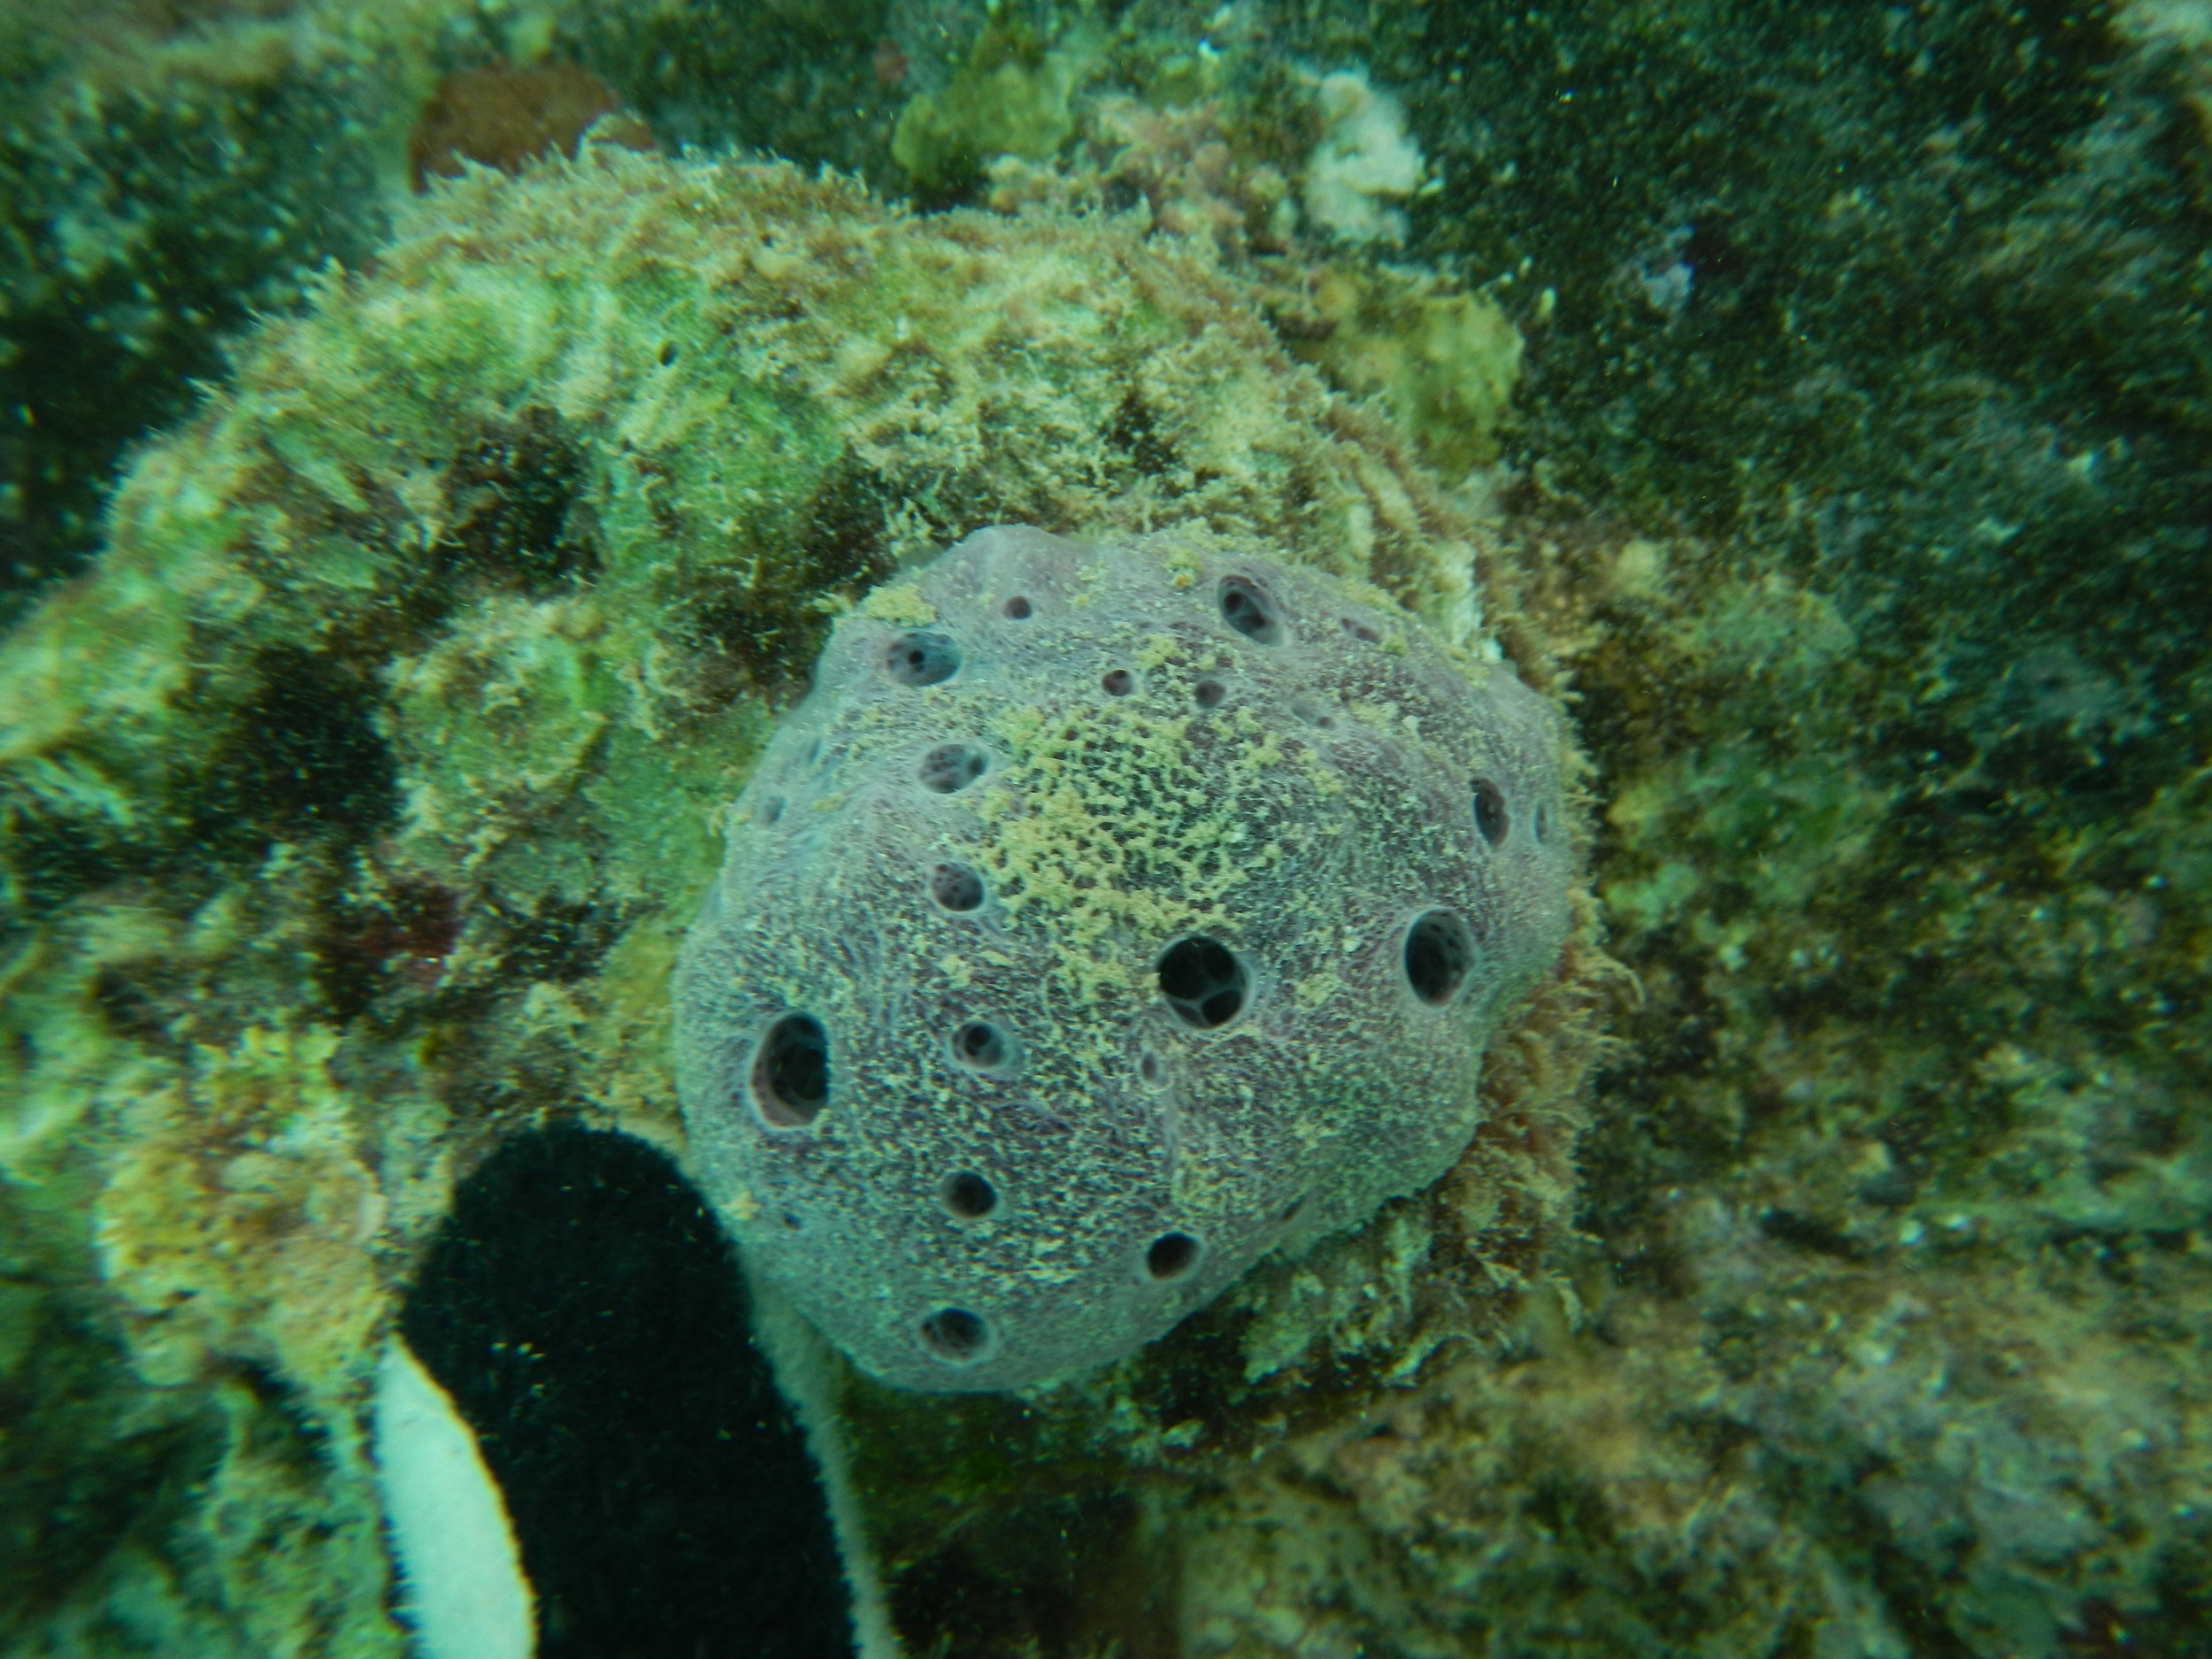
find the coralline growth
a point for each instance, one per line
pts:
(358, 799)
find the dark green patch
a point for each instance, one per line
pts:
(2179, 1626)
(50, 858)
(301, 759)
(559, 940)
(133, 1000)
(1735, 1341)
(1809, 1233)
(768, 633)
(803, 82)
(1721, 137)
(511, 501)
(88, 1464)
(1133, 433)
(1039, 1579)
(281, 1429)
(222, 199)
(1911, 1589)
(1195, 1374)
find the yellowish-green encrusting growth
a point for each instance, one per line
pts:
(358, 797)
(1444, 361)
(1009, 98)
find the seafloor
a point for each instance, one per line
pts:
(406, 541)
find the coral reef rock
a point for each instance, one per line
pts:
(359, 795)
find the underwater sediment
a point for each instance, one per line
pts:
(1853, 498)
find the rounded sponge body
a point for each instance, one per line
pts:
(1107, 916)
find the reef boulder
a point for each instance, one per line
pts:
(359, 797)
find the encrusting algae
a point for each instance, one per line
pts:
(359, 795)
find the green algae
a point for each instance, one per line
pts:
(1009, 98)
(402, 706)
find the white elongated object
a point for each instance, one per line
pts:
(461, 1572)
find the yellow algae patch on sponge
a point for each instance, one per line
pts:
(1118, 825)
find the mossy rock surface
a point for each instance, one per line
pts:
(361, 793)
(168, 174)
